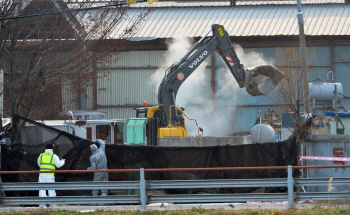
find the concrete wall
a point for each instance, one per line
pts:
(204, 141)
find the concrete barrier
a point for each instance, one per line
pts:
(204, 141)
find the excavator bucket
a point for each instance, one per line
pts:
(263, 79)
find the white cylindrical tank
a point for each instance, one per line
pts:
(324, 92)
(262, 133)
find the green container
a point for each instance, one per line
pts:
(340, 131)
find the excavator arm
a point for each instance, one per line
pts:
(258, 81)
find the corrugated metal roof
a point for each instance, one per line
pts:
(161, 3)
(265, 20)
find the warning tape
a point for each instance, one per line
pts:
(324, 158)
(280, 202)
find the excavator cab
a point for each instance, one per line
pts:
(179, 130)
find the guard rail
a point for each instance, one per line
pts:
(143, 199)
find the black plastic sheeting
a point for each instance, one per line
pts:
(31, 138)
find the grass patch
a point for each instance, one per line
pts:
(317, 210)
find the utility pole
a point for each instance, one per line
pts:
(304, 71)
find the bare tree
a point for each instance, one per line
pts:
(39, 53)
(289, 95)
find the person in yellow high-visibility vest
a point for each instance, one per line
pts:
(48, 161)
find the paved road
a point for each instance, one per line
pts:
(226, 206)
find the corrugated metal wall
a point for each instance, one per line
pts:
(327, 146)
(342, 71)
(127, 81)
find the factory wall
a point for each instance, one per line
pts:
(125, 81)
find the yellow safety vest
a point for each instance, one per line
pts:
(47, 162)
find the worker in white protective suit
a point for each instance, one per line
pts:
(98, 160)
(48, 161)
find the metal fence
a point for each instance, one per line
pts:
(143, 199)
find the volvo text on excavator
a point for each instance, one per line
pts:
(260, 80)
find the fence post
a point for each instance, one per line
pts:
(143, 190)
(290, 187)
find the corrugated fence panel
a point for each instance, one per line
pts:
(342, 71)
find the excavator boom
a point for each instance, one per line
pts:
(260, 80)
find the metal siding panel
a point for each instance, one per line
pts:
(328, 149)
(125, 87)
(69, 100)
(342, 71)
(318, 56)
(244, 119)
(90, 98)
(315, 72)
(119, 112)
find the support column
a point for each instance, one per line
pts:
(290, 187)
(143, 194)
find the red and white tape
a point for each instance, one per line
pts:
(324, 158)
(279, 202)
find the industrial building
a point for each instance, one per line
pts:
(264, 29)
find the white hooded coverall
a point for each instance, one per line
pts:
(98, 160)
(43, 178)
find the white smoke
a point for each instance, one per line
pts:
(216, 120)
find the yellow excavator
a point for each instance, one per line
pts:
(260, 80)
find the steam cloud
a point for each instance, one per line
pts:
(195, 93)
